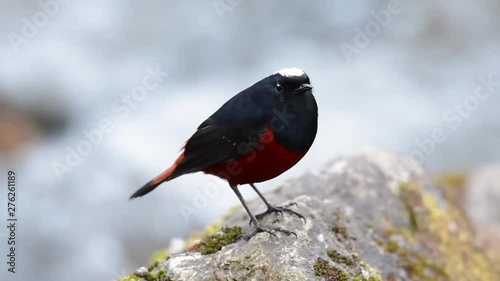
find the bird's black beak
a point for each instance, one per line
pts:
(303, 88)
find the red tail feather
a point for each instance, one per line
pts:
(154, 183)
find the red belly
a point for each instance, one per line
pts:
(267, 162)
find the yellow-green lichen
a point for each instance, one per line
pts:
(213, 243)
(444, 237)
(417, 266)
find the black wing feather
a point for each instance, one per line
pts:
(213, 144)
(231, 132)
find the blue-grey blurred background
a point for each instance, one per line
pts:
(386, 73)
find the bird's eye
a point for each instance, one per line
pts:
(279, 88)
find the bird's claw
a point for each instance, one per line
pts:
(262, 228)
(275, 209)
(268, 212)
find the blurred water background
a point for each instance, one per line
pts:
(70, 71)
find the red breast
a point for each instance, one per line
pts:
(269, 161)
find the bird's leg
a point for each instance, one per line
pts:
(258, 227)
(273, 209)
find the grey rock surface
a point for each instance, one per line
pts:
(364, 222)
(283, 257)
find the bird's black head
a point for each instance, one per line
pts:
(290, 81)
(292, 97)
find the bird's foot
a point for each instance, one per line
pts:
(275, 209)
(262, 228)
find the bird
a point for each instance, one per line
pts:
(255, 136)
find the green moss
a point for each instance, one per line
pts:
(328, 272)
(391, 246)
(209, 230)
(339, 258)
(354, 266)
(153, 265)
(333, 273)
(355, 258)
(374, 273)
(338, 228)
(160, 275)
(341, 231)
(213, 243)
(157, 257)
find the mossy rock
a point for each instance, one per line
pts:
(370, 216)
(213, 243)
(440, 245)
